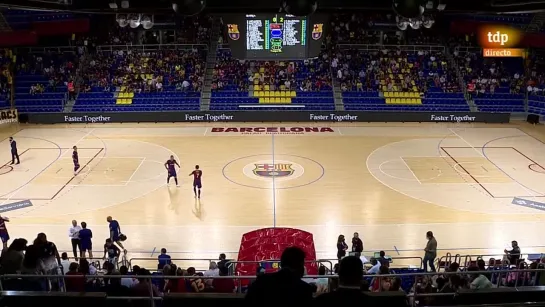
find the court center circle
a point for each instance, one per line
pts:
(267, 172)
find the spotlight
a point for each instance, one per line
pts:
(402, 23)
(188, 7)
(125, 4)
(122, 20)
(415, 23)
(427, 22)
(134, 20)
(300, 7)
(408, 8)
(147, 22)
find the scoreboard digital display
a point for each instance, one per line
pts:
(274, 36)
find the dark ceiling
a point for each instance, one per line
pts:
(225, 6)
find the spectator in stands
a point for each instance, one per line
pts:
(12, 258)
(430, 252)
(196, 284)
(453, 285)
(513, 255)
(213, 269)
(128, 282)
(349, 291)
(375, 269)
(322, 283)
(49, 253)
(477, 280)
(382, 259)
(73, 234)
(285, 287)
(224, 285)
(143, 286)
(115, 287)
(379, 284)
(341, 247)
(85, 237)
(163, 259)
(74, 284)
(222, 260)
(357, 244)
(111, 250)
(65, 263)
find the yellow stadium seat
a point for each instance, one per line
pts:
(261, 100)
(267, 100)
(266, 87)
(388, 101)
(261, 69)
(282, 93)
(130, 95)
(277, 99)
(293, 94)
(277, 94)
(282, 87)
(386, 94)
(257, 87)
(419, 101)
(288, 100)
(257, 94)
(267, 94)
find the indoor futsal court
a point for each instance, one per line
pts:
(476, 186)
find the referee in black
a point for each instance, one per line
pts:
(14, 154)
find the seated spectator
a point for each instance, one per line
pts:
(514, 254)
(163, 259)
(285, 287)
(379, 284)
(74, 284)
(128, 282)
(195, 284)
(375, 266)
(114, 287)
(477, 280)
(12, 258)
(65, 263)
(322, 283)
(224, 285)
(213, 269)
(349, 292)
(142, 289)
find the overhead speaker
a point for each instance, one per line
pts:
(409, 8)
(188, 7)
(300, 7)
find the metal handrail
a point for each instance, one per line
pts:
(372, 47)
(171, 259)
(318, 261)
(151, 47)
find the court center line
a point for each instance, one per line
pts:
(79, 141)
(273, 184)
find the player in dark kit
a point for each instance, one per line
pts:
(170, 166)
(14, 154)
(197, 174)
(75, 159)
(4, 236)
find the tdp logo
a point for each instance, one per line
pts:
(273, 170)
(498, 37)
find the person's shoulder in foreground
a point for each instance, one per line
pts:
(349, 291)
(286, 284)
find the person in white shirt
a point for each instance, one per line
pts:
(376, 266)
(65, 264)
(213, 270)
(73, 233)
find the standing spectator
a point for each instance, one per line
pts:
(224, 285)
(115, 232)
(12, 257)
(357, 244)
(430, 252)
(350, 280)
(341, 247)
(73, 233)
(382, 259)
(112, 251)
(65, 263)
(48, 253)
(4, 235)
(71, 90)
(514, 254)
(163, 259)
(14, 154)
(285, 287)
(223, 260)
(85, 236)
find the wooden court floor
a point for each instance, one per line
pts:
(476, 186)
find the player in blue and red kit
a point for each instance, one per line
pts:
(197, 175)
(75, 159)
(170, 165)
(4, 232)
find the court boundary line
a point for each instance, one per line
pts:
(484, 157)
(465, 170)
(410, 170)
(73, 177)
